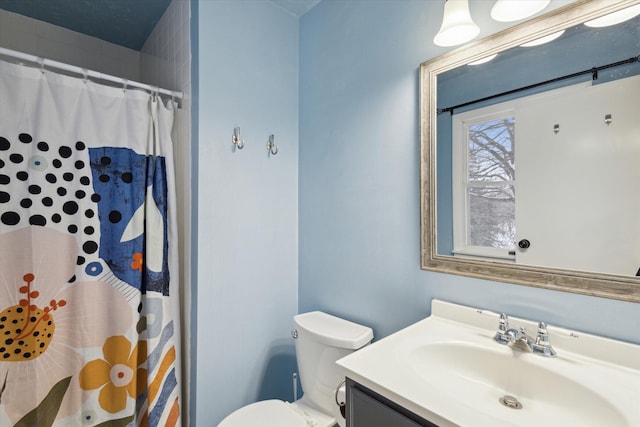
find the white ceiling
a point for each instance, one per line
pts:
(297, 7)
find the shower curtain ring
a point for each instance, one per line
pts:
(40, 61)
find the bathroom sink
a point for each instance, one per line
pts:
(479, 376)
(449, 370)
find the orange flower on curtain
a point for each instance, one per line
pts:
(136, 264)
(118, 374)
(36, 264)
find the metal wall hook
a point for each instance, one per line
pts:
(556, 129)
(272, 148)
(237, 141)
(607, 119)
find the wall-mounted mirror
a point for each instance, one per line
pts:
(531, 160)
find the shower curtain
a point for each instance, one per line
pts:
(89, 331)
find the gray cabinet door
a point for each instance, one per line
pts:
(365, 411)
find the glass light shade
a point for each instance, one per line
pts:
(615, 17)
(484, 60)
(457, 25)
(543, 40)
(515, 10)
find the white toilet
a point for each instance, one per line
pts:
(321, 339)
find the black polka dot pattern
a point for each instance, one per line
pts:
(48, 184)
(16, 158)
(70, 207)
(4, 144)
(25, 138)
(65, 152)
(90, 247)
(37, 220)
(115, 217)
(89, 194)
(10, 218)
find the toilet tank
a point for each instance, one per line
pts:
(322, 339)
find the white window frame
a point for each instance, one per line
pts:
(460, 146)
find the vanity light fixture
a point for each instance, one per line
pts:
(543, 40)
(484, 60)
(615, 17)
(515, 10)
(457, 26)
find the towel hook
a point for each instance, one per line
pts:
(237, 141)
(272, 148)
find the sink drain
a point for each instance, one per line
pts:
(510, 402)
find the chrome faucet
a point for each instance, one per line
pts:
(542, 346)
(519, 339)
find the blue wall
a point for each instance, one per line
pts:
(247, 206)
(359, 208)
(349, 190)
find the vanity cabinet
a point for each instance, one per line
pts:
(366, 408)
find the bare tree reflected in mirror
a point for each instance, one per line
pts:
(490, 186)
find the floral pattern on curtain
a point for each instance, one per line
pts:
(89, 331)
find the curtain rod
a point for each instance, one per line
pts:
(87, 73)
(593, 71)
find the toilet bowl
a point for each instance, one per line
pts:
(321, 339)
(276, 413)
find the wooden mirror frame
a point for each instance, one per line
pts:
(626, 288)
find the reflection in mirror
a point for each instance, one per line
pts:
(534, 154)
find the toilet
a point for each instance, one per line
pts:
(321, 339)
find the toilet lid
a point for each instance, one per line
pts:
(267, 413)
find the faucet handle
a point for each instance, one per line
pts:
(503, 326)
(543, 334)
(542, 345)
(503, 323)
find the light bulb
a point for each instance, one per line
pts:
(515, 10)
(615, 17)
(543, 40)
(457, 25)
(484, 60)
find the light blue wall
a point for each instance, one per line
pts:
(247, 227)
(359, 208)
(351, 192)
